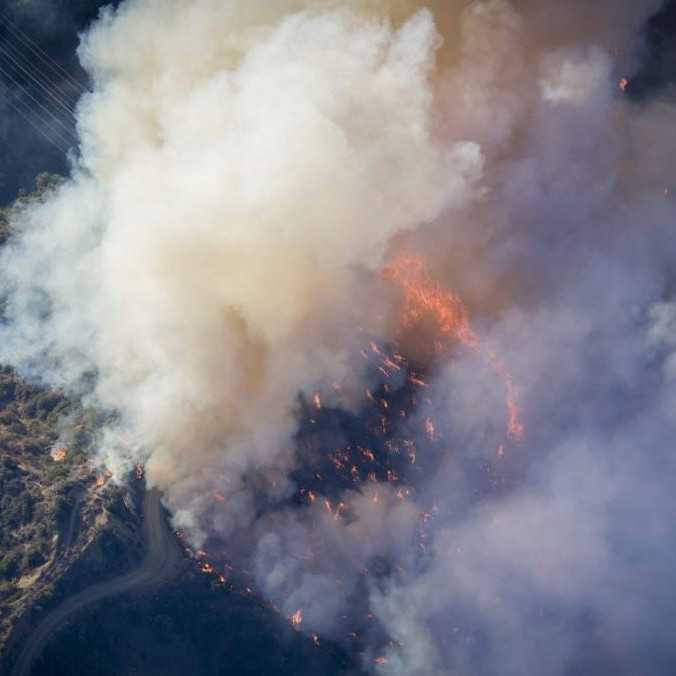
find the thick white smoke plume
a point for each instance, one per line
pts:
(245, 170)
(233, 176)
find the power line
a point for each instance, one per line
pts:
(21, 58)
(32, 69)
(30, 44)
(29, 115)
(45, 86)
(58, 120)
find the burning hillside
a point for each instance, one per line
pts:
(381, 450)
(379, 295)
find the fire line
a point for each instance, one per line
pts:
(424, 296)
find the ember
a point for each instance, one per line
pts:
(430, 430)
(59, 454)
(296, 619)
(423, 296)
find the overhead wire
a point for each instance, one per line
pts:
(43, 128)
(24, 90)
(49, 90)
(36, 76)
(65, 134)
(40, 53)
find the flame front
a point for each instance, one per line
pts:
(423, 296)
(59, 454)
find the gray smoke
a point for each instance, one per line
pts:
(244, 173)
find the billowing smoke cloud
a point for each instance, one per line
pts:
(245, 171)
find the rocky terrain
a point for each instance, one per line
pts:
(62, 525)
(67, 530)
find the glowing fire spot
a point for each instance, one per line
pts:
(624, 84)
(380, 660)
(219, 496)
(296, 619)
(430, 429)
(317, 401)
(315, 640)
(207, 568)
(391, 365)
(418, 382)
(423, 296)
(59, 454)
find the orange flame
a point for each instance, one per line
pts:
(296, 619)
(59, 454)
(418, 382)
(423, 296)
(430, 430)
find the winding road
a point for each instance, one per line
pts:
(162, 561)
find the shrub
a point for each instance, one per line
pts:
(9, 566)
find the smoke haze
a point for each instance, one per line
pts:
(245, 171)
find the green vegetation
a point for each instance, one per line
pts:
(44, 184)
(29, 478)
(45, 440)
(33, 485)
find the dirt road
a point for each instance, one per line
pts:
(162, 562)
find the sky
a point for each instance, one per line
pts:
(28, 124)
